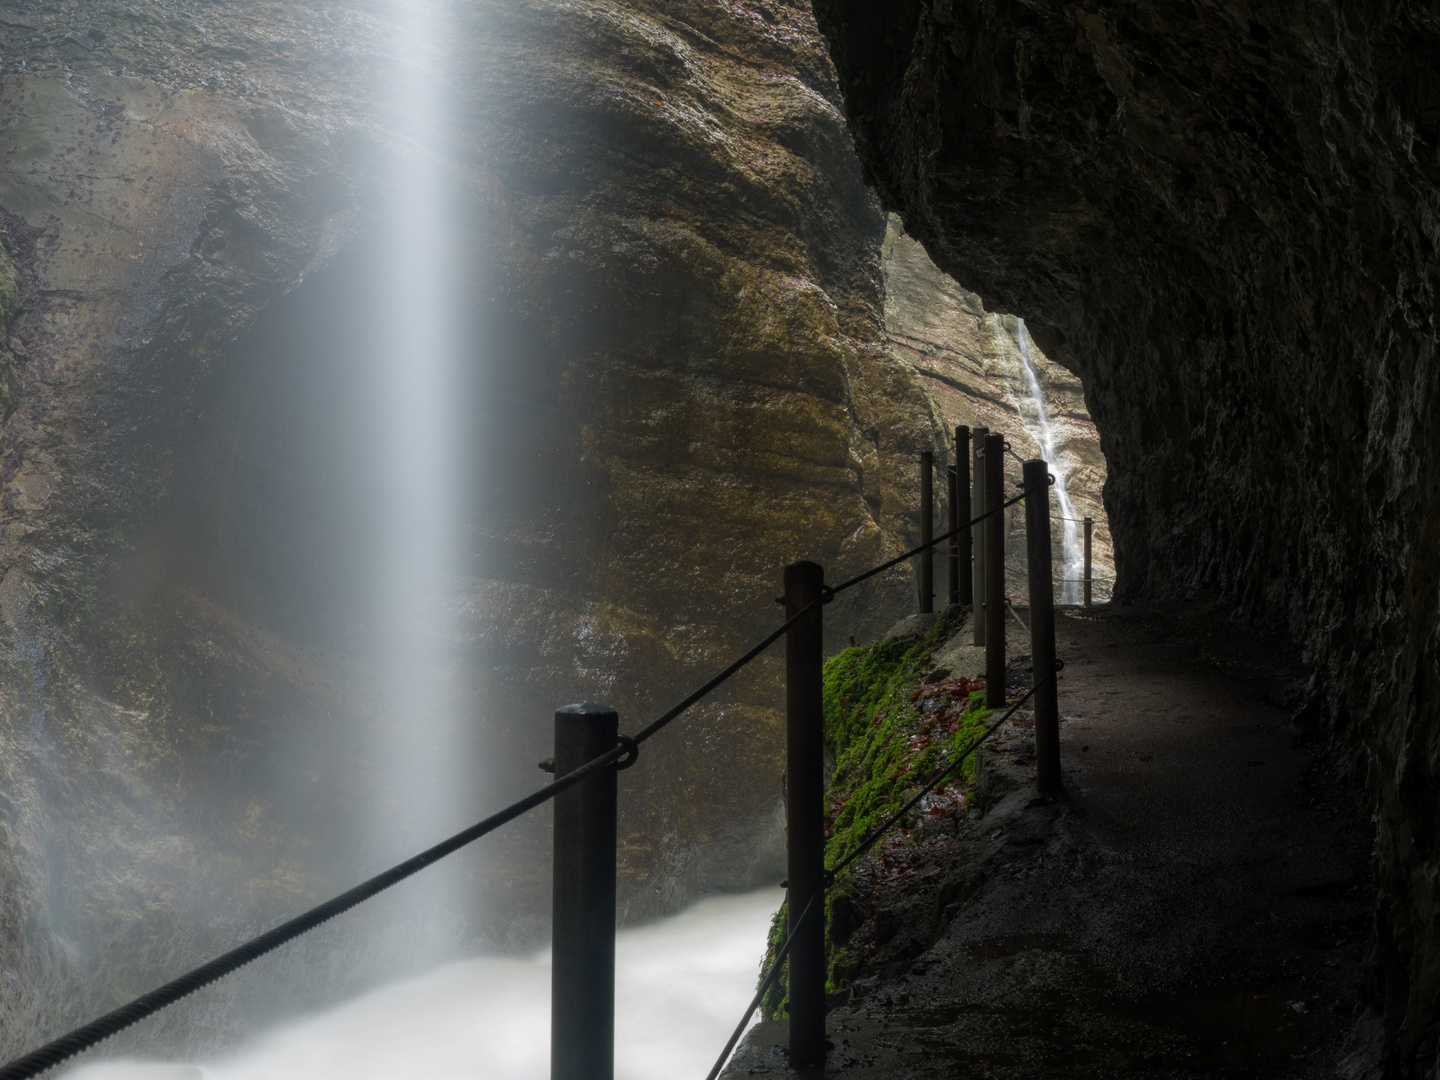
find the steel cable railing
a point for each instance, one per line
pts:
(868, 574)
(849, 860)
(1010, 607)
(83, 1038)
(623, 755)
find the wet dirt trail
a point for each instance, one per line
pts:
(1197, 904)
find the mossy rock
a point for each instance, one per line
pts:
(885, 746)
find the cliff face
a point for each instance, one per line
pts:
(1224, 221)
(972, 365)
(681, 382)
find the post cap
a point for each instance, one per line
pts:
(588, 708)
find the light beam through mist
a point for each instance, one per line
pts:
(417, 368)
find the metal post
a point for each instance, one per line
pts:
(994, 573)
(977, 507)
(952, 549)
(1089, 528)
(805, 811)
(963, 455)
(1042, 626)
(582, 972)
(927, 532)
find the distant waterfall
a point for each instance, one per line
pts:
(1036, 422)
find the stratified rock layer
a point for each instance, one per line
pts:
(1225, 221)
(675, 289)
(971, 365)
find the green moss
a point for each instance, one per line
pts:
(885, 747)
(869, 716)
(972, 722)
(773, 1006)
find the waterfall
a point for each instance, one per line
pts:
(1036, 421)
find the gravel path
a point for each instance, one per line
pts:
(1196, 906)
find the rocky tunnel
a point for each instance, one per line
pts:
(1224, 220)
(700, 359)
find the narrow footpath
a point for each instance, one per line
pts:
(1197, 904)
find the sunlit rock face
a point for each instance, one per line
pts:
(1224, 220)
(695, 259)
(680, 380)
(969, 360)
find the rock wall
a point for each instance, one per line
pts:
(1224, 220)
(9, 303)
(681, 382)
(969, 360)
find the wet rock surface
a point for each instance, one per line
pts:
(1196, 905)
(674, 283)
(970, 362)
(1222, 219)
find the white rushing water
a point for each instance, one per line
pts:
(1036, 421)
(680, 987)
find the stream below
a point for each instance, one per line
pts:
(680, 986)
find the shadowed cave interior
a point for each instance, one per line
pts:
(301, 546)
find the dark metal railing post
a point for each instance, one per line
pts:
(963, 455)
(805, 810)
(978, 436)
(927, 532)
(1089, 529)
(582, 972)
(995, 573)
(1042, 626)
(952, 549)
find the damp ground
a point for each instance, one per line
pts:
(1196, 905)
